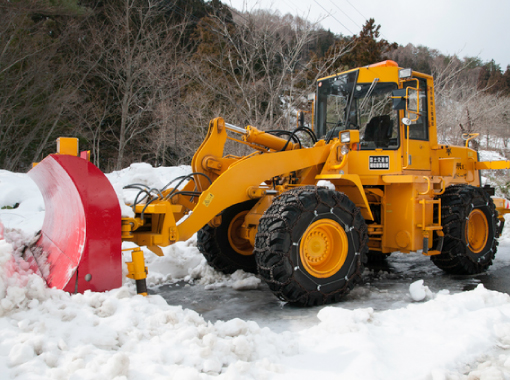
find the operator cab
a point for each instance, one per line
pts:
(346, 102)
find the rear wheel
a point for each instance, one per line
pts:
(311, 245)
(224, 248)
(469, 219)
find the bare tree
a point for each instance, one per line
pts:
(33, 81)
(257, 68)
(462, 107)
(135, 61)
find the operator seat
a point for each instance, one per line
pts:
(379, 130)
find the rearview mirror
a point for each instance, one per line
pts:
(399, 99)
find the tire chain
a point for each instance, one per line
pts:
(280, 204)
(447, 259)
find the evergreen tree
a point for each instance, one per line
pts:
(365, 48)
(491, 78)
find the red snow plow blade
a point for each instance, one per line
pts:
(81, 234)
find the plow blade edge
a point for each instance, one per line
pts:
(81, 233)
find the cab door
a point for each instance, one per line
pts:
(416, 142)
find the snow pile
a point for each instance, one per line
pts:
(422, 341)
(103, 336)
(419, 291)
(19, 286)
(49, 334)
(183, 262)
(117, 334)
(21, 202)
(144, 174)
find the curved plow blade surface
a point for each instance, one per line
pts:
(81, 235)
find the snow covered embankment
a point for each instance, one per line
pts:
(50, 334)
(47, 333)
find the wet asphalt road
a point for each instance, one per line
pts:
(498, 279)
(385, 287)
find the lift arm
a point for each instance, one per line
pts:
(223, 182)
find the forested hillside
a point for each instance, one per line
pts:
(139, 80)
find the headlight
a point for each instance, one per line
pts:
(345, 137)
(344, 150)
(405, 73)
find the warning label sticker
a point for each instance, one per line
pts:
(379, 162)
(208, 199)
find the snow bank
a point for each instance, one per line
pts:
(144, 174)
(49, 334)
(183, 262)
(431, 340)
(21, 203)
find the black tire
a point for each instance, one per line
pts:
(469, 219)
(220, 251)
(287, 255)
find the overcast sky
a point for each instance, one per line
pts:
(475, 28)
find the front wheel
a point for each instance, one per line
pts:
(311, 246)
(224, 247)
(470, 221)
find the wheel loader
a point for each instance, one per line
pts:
(305, 210)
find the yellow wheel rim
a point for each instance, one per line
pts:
(323, 249)
(477, 230)
(236, 240)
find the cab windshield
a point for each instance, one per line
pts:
(342, 103)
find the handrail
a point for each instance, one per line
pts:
(468, 137)
(341, 164)
(407, 151)
(428, 186)
(441, 181)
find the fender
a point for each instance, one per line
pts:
(350, 184)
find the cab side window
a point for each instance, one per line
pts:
(418, 130)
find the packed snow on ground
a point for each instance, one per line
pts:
(49, 334)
